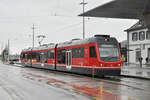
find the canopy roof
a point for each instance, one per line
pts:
(127, 9)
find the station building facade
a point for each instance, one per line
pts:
(138, 44)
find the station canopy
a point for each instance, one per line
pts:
(126, 9)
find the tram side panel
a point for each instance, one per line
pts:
(80, 59)
(91, 62)
(50, 59)
(36, 59)
(61, 59)
(97, 56)
(74, 59)
(22, 58)
(26, 58)
(43, 59)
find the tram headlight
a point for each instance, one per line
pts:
(119, 64)
(101, 65)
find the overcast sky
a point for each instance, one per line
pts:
(58, 20)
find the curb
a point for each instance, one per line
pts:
(138, 77)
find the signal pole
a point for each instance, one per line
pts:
(83, 3)
(33, 28)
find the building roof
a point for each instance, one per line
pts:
(139, 25)
(130, 9)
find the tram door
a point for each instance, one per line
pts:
(26, 59)
(68, 60)
(42, 59)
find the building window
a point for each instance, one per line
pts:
(134, 36)
(92, 52)
(148, 35)
(78, 52)
(142, 35)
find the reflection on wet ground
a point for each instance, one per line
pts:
(95, 90)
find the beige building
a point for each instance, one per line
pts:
(138, 39)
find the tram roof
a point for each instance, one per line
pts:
(85, 41)
(43, 47)
(127, 9)
(72, 43)
(75, 42)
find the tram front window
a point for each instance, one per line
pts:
(109, 53)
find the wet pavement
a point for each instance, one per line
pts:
(22, 83)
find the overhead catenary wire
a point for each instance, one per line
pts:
(67, 27)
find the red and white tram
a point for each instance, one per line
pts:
(99, 54)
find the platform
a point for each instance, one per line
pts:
(136, 70)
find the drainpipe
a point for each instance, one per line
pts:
(128, 59)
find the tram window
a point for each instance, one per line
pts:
(52, 54)
(78, 52)
(92, 52)
(74, 51)
(23, 55)
(28, 56)
(81, 51)
(48, 55)
(33, 55)
(38, 56)
(45, 55)
(61, 57)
